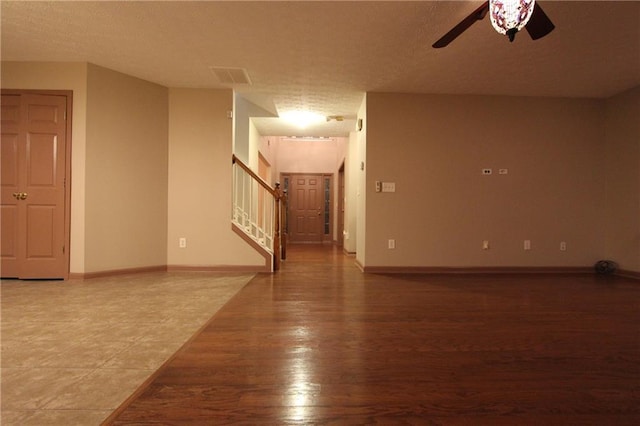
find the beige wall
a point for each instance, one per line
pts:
(200, 182)
(120, 170)
(342, 147)
(307, 157)
(138, 187)
(62, 76)
(126, 172)
(622, 156)
(351, 200)
(360, 180)
(254, 146)
(434, 147)
(268, 147)
(245, 145)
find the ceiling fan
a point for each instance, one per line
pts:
(507, 17)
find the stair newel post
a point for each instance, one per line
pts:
(277, 226)
(284, 210)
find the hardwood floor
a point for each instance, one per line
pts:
(322, 343)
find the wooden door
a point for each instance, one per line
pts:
(306, 209)
(34, 171)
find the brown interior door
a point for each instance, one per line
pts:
(33, 186)
(306, 206)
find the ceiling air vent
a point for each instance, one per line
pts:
(231, 75)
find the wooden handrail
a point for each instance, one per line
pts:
(265, 185)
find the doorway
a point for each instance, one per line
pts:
(36, 152)
(309, 207)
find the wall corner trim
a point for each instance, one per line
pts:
(478, 270)
(115, 272)
(219, 268)
(628, 274)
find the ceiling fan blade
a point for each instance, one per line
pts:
(539, 25)
(476, 15)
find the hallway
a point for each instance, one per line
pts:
(321, 343)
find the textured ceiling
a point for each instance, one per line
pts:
(323, 56)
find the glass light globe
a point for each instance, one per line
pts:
(510, 16)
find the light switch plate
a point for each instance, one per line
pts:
(388, 187)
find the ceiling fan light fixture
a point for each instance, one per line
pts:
(510, 16)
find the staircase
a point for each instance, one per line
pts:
(258, 212)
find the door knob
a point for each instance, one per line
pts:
(23, 195)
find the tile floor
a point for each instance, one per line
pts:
(73, 351)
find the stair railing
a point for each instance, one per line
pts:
(258, 209)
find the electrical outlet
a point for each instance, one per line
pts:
(182, 242)
(527, 244)
(392, 244)
(563, 246)
(486, 171)
(485, 245)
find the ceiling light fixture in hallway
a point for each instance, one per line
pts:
(302, 119)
